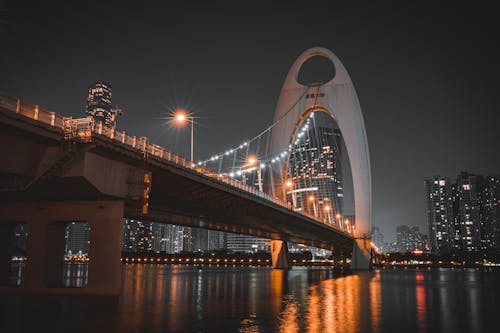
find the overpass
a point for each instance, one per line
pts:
(60, 170)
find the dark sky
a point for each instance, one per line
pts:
(426, 76)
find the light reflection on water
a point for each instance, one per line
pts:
(249, 299)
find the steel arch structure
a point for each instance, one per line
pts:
(338, 98)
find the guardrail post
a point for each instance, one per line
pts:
(35, 116)
(52, 118)
(18, 106)
(123, 137)
(134, 141)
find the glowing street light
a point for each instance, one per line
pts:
(327, 211)
(312, 201)
(181, 116)
(252, 164)
(251, 160)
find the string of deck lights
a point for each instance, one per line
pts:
(264, 162)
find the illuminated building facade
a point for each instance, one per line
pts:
(410, 239)
(77, 238)
(315, 170)
(464, 217)
(244, 243)
(99, 105)
(439, 213)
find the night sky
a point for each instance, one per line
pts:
(426, 76)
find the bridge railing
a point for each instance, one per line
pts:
(83, 129)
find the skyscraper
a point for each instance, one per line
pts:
(99, 101)
(464, 217)
(315, 169)
(467, 209)
(439, 213)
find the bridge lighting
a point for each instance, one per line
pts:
(328, 208)
(311, 198)
(289, 183)
(251, 159)
(180, 117)
(239, 173)
(262, 166)
(231, 174)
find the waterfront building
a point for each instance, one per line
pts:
(463, 217)
(244, 243)
(410, 239)
(207, 240)
(439, 213)
(77, 238)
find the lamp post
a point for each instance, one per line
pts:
(181, 117)
(289, 185)
(252, 163)
(312, 200)
(328, 213)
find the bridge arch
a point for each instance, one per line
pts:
(338, 98)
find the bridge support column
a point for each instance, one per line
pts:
(361, 254)
(45, 246)
(279, 254)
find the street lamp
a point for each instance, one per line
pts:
(327, 210)
(181, 116)
(252, 163)
(289, 185)
(312, 200)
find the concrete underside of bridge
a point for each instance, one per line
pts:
(47, 181)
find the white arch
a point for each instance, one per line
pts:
(341, 100)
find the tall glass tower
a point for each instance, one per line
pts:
(314, 169)
(99, 103)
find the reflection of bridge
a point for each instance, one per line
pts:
(61, 170)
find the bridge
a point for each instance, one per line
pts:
(60, 170)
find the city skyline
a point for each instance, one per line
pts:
(231, 78)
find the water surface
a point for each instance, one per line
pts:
(165, 298)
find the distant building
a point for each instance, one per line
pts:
(99, 104)
(463, 217)
(78, 238)
(244, 243)
(410, 239)
(155, 237)
(378, 239)
(439, 213)
(207, 240)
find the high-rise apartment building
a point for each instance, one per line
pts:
(410, 239)
(463, 217)
(141, 236)
(439, 213)
(77, 238)
(315, 171)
